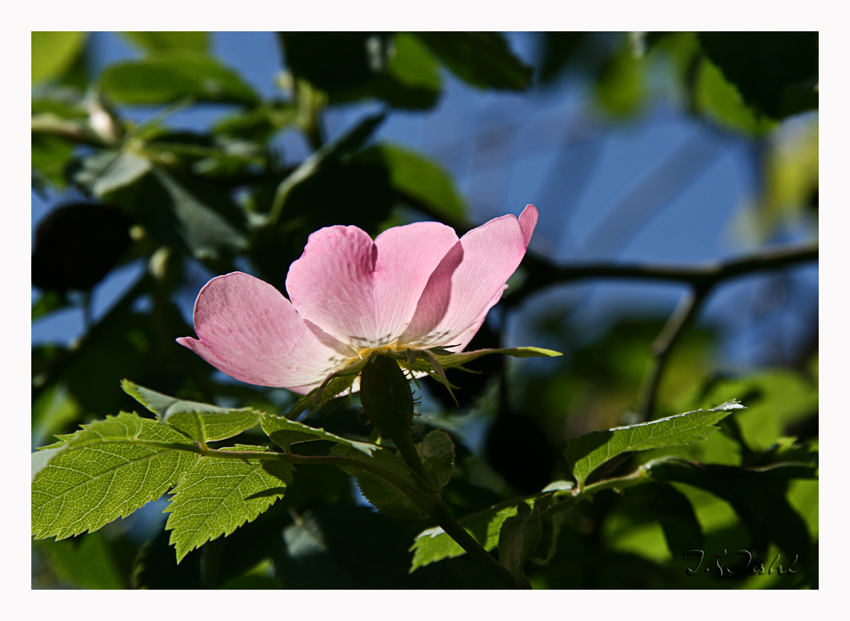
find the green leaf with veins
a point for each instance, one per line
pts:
(586, 453)
(434, 544)
(219, 495)
(201, 422)
(285, 432)
(104, 471)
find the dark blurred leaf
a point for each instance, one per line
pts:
(720, 101)
(86, 561)
(519, 450)
(50, 158)
(258, 124)
(481, 59)
(438, 455)
(76, 245)
(418, 177)
(620, 86)
(341, 546)
(163, 41)
(662, 503)
(775, 72)
(756, 494)
(411, 80)
(518, 539)
(164, 78)
(52, 412)
(183, 213)
(385, 496)
(336, 61)
(53, 53)
(559, 48)
(157, 568)
(48, 302)
(775, 399)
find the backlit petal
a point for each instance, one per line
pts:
(464, 285)
(365, 293)
(249, 331)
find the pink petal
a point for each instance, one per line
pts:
(469, 280)
(249, 331)
(364, 293)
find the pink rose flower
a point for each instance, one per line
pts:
(414, 287)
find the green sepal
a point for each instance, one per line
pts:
(285, 432)
(200, 421)
(586, 453)
(448, 360)
(107, 470)
(333, 386)
(219, 495)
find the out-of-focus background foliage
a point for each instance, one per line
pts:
(160, 160)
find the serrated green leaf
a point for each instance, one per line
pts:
(219, 495)
(285, 432)
(434, 544)
(107, 470)
(54, 52)
(166, 77)
(437, 453)
(586, 453)
(383, 495)
(200, 421)
(518, 539)
(481, 59)
(159, 41)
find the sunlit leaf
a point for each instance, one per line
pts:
(53, 53)
(107, 470)
(219, 495)
(586, 453)
(285, 432)
(200, 421)
(158, 41)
